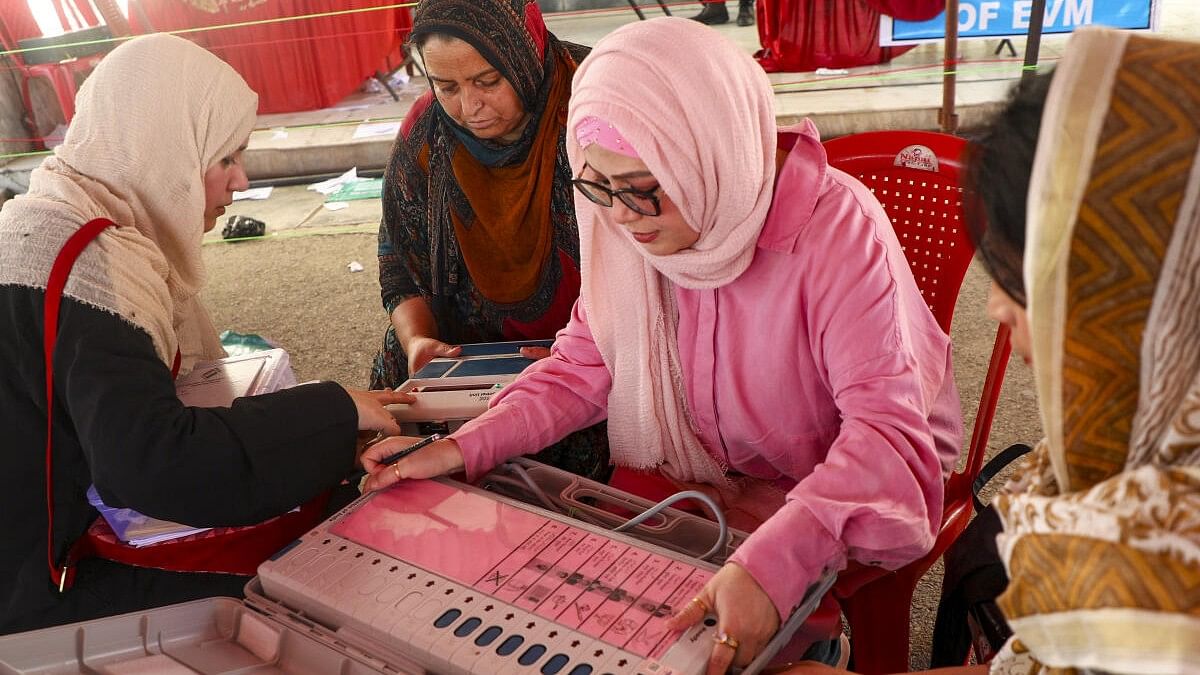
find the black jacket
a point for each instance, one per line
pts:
(118, 424)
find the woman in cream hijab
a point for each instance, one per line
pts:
(155, 147)
(1098, 278)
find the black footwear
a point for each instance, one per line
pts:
(713, 13)
(745, 15)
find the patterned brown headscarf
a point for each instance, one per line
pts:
(1102, 527)
(509, 34)
(500, 210)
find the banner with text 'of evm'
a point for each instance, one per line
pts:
(1010, 18)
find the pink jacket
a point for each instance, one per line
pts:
(828, 375)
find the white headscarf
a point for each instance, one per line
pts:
(150, 120)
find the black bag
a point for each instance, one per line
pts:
(974, 577)
(240, 227)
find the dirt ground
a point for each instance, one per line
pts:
(298, 292)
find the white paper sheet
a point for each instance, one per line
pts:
(330, 186)
(254, 194)
(377, 130)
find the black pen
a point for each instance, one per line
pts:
(396, 457)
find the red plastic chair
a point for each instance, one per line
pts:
(916, 177)
(62, 76)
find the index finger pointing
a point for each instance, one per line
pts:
(389, 397)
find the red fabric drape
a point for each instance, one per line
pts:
(294, 65)
(909, 10)
(81, 11)
(801, 35)
(18, 20)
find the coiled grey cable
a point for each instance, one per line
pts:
(722, 538)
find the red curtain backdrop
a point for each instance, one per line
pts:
(803, 35)
(18, 19)
(294, 65)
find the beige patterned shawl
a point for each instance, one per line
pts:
(1102, 528)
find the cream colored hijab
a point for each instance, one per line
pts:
(700, 113)
(1102, 527)
(150, 120)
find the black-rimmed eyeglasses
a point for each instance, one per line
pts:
(644, 202)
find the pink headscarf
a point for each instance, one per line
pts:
(700, 114)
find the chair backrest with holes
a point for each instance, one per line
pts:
(915, 175)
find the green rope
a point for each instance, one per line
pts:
(202, 29)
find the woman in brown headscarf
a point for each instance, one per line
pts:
(478, 241)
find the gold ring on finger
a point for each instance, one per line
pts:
(727, 640)
(396, 470)
(701, 604)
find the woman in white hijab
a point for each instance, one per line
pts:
(155, 147)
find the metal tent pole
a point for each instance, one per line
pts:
(1033, 43)
(947, 118)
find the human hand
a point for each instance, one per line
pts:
(372, 415)
(365, 440)
(421, 350)
(437, 459)
(746, 617)
(535, 353)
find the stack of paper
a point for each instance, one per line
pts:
(215, 384)
(137, 529)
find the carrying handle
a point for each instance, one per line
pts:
(573, 494)
(994, 466)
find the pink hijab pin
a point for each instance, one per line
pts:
(593, 130)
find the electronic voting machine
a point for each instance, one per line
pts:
(437, 576)
(452, 390)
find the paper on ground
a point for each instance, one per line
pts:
(363, 188)
(328, 186)
(254, 193)
(377, 130)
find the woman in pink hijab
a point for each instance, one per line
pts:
(747, 324)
